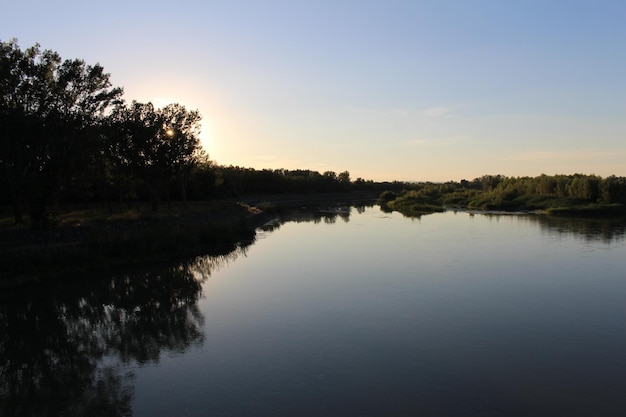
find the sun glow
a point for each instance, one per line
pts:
(207, 135)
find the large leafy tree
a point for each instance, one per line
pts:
(49, 108)
(156, 145)
(182, 143)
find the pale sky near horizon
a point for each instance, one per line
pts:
(389, 90)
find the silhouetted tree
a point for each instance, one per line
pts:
(156, 145)
(182, 143)
(47, 106)
(344, 179)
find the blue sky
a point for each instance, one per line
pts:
(407, 90)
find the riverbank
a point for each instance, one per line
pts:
(272, 202)
(94, 239)
(417, 203)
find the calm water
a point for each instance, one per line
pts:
(360, 313)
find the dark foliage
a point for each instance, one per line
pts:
(67, 137)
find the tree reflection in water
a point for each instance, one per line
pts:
(62, 343)
(606, 230)
(600, 229)
(315, 215)
(65, 345)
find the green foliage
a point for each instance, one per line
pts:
(424, 199)
(576, 194)
(387, 196)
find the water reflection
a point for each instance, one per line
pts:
(66, 347)
(316, 215)
(607, 230)
(62, 343)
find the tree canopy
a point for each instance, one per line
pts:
(156, 144)
(67, 132)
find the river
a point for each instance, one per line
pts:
(341, 312)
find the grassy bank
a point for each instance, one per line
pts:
(429, 200)
(91, 239)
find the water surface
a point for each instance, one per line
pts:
(349, 312)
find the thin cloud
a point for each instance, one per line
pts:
(436, 112)
(399, 112)
(441, 141)
(374, 111)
